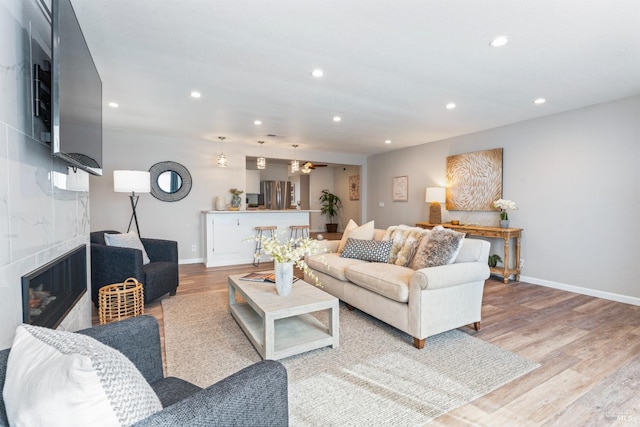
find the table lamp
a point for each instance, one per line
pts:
(126, 181)
(435, 196)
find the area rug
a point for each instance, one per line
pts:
(374, 378)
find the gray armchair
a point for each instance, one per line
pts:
(254, 396)
(112, 264)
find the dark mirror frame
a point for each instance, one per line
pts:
(161, 167)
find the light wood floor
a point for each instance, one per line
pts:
(588, 348)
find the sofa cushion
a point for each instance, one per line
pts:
(388, 280)
(332, 264)
(441, 248)
(367, 250)
(127, 240)
(363, 232)
(405, 239)
(63, 378)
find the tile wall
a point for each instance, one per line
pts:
(44, 204)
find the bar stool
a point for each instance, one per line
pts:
(260, 231)
(298, 231)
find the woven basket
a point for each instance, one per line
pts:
(120, 301)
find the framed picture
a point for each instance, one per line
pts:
(400, 188)
(474, 180)
(354, 187)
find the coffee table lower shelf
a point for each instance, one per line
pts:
(292, 335)
(280, 327)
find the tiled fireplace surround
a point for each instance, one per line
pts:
(39, 219)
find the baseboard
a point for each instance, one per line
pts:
(191, 261)
(583, 291)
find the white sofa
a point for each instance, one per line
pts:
(422, 302)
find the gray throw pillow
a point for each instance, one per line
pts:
(441, 248)
(127, 240)
(367, 250)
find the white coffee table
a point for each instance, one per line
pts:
(280, 327)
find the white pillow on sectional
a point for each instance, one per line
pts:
(364, 232)
(127, 240)
(58, 378)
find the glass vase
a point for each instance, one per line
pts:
(284, 277)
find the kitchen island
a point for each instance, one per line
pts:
(228, 233)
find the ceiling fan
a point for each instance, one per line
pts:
(308, 166)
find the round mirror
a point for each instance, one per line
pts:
(170, 181)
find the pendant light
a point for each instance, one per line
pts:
(261, 162)
(295, 165)
(222, 159)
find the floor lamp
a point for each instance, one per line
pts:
(435, 196)
(132, 182)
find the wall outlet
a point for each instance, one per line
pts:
(193, 248)
(521, 263)
(381, 204)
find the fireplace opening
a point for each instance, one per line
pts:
(51, 291)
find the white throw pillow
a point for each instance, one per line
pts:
(58, 378)
(127, 240)
(364, 232)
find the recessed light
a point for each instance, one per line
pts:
(451, 106)
(195, 94)
(499, 41)
(337, 118)
(257, 122)
(113, 104)
(317, 73)
(388, 141)
(540, 101)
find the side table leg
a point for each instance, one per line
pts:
(505, 272)
(517, 259)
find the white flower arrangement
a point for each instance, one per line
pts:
(285, 250)
(504, 205)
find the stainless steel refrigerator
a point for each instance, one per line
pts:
(276, 194)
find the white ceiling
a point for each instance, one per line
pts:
(390, 66)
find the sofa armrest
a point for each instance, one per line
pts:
(255, 396)
(161, 250)
(445, 276)
(138, 338)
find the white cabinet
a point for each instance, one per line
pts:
(228, 234)
(253, 182)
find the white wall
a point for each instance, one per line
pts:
(38, 221)
(575, 178)
(182, 220)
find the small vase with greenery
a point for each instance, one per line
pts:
(235, 198)
(331, 205)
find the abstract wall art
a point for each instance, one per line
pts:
(354, 187)
(474, 180)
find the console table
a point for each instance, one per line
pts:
(501, 233)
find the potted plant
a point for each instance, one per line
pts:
(235, 198)
(494, 260)
(331, 204)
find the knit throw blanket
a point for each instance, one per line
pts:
(405, 241)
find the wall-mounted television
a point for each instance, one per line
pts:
(76, 92)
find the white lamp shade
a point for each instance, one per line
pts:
(435, 194)
(131, 181)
